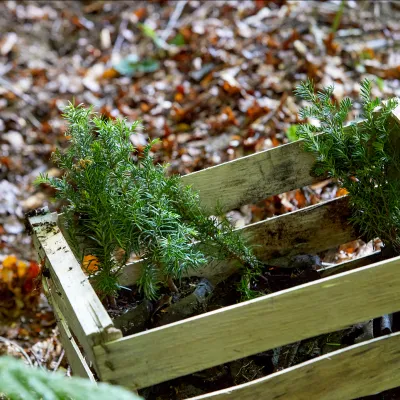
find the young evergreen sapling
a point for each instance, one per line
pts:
(364, 158)
(122, 203)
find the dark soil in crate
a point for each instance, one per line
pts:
(133, 314)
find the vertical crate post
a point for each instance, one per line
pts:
(71, 292)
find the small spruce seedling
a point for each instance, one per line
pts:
(124, 204)
(363, 157)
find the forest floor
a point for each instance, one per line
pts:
(213, 80)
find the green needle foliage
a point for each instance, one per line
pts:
(19, 382)
(363, 157)
(119, 200)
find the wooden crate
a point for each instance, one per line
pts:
(349, 293)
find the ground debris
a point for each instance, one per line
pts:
(213, 83)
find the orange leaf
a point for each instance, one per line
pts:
(33, 270)
(178, 97)
(90, 263)
(9, 261)
(21, 269)
(341, 192)
(6, 275)
(110, 73)
(275, 141)
(5, 161)
(300, 198)
(140, 13)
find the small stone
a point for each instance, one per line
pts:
(300, 47)
(35, 201)
(13, 226)
(15, 139)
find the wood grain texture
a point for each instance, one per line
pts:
(253, 178)
(75, 357)
(257, 176)
(74, 295)
(251, 327)
(309, 231)
(360, 370)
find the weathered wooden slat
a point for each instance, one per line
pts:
(360, 370)
(251, 327)
(75, 358)
(253, 178)
(74, 295)
(257, 176)
(309, 230)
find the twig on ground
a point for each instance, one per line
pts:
(9, 86)
(59, 361)
(38, 360)
(49, 346)
(265, 119)
(120, 38)
(180, 5)
(33, 120)
(9, 342)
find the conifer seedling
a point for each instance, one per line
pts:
(363, 158)
(122, 203)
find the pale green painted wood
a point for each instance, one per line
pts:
(74, 295)
(253, 178)
(360, 370)
(251, 327)
(75, 357)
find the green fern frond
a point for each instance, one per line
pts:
(19, 382)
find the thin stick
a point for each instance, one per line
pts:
(120, 38)
(9, 86)
(180, 5)
(38, 360)
(49, 344)
(18, 347)
(59, 361)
